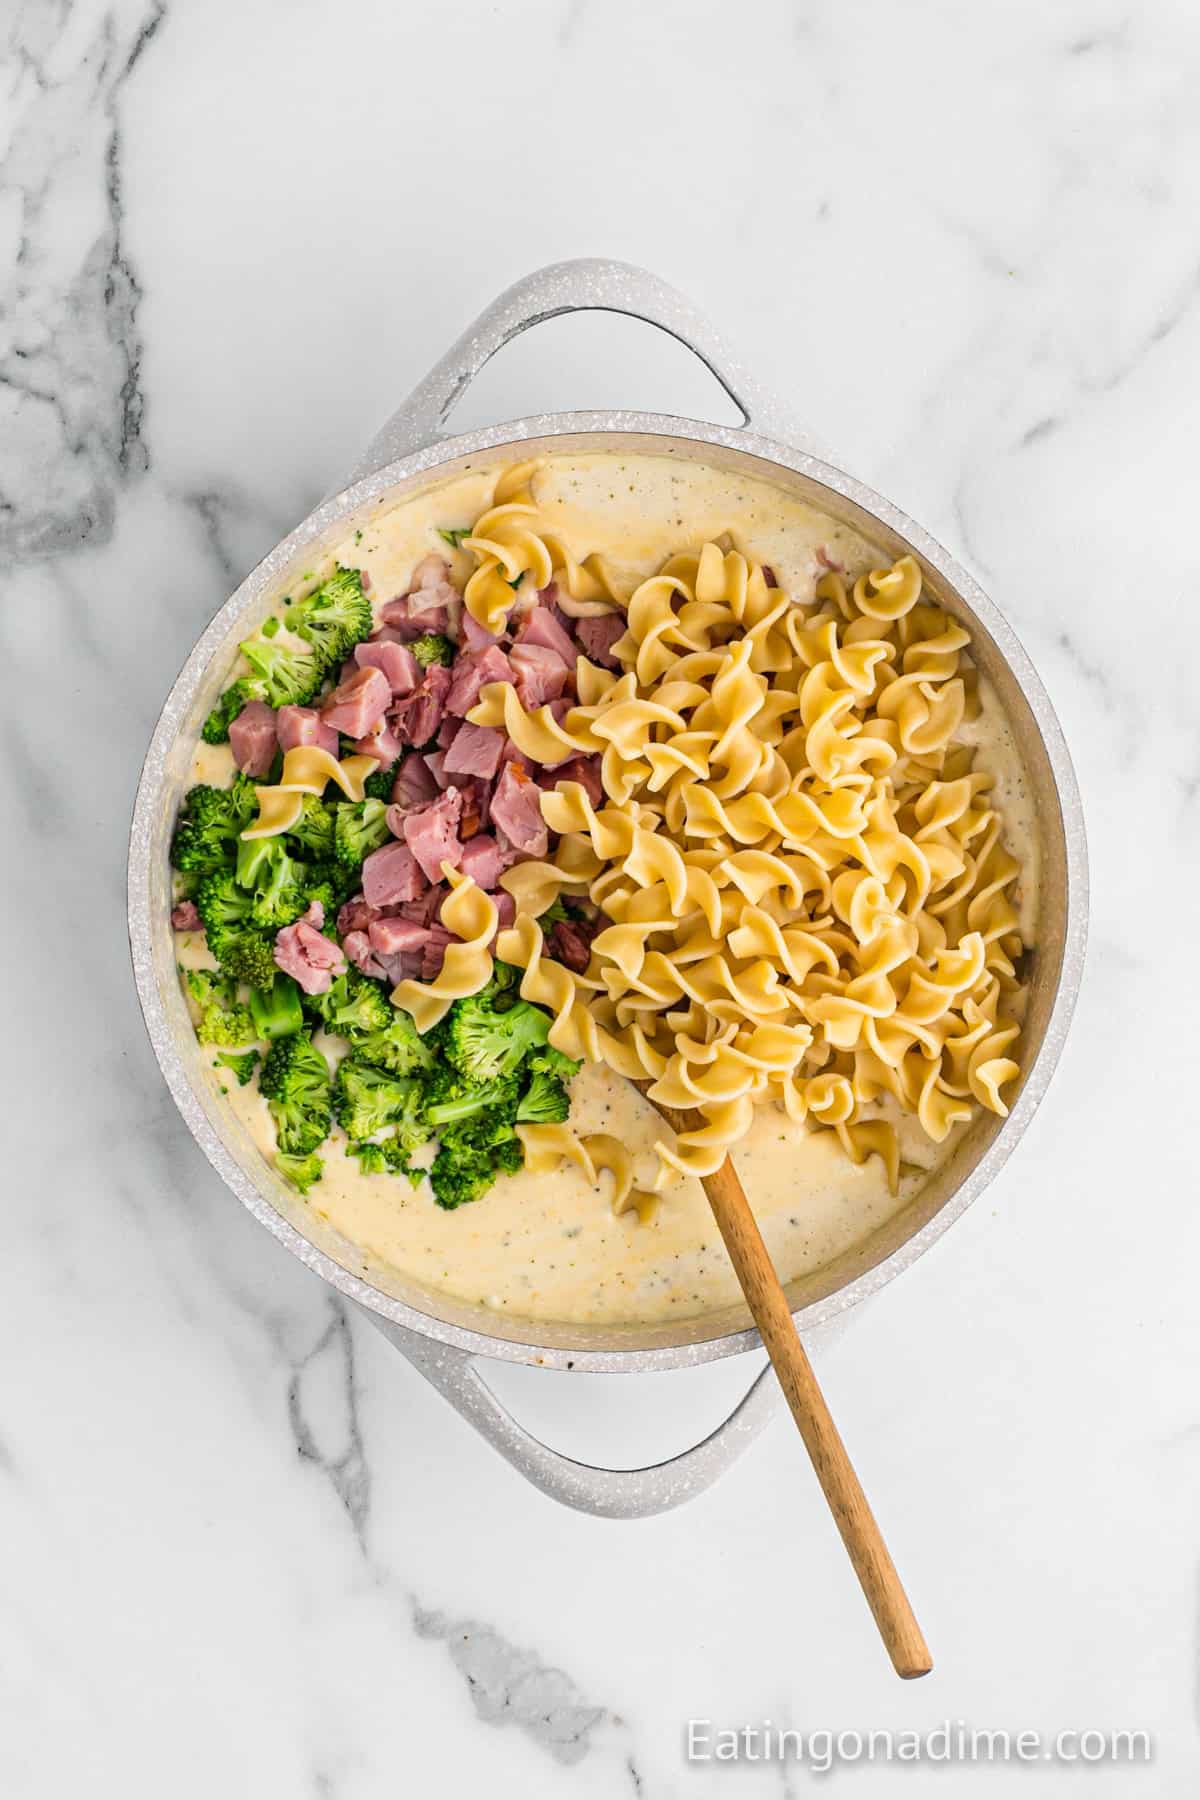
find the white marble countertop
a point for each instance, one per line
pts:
(246, 1549)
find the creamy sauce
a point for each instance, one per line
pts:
(549, 1247)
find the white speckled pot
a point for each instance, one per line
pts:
(445, 1337)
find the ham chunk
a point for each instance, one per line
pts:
(431, 604)
(473, 635)
(431, 833)
(354, 915)
(541, 674)
(357, 946)
(597, 637)
(391, 935)
(304, 952)
(433, 953)
(302, 725)
(516, 809)
(358, 703)
(583, 769)
(570, 944)
(252, 739)
(473, 670)
(476, 750)
(417, 717)
(414, 784)
(390, 875)
(184, 917)
(382, 744)
(482, 860)
(393, 660)
(541, 627)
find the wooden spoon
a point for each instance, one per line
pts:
(768, 1304)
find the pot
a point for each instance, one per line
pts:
(447, 1338)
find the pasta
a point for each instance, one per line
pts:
(472, 918)
(306, 770)
(806, 893)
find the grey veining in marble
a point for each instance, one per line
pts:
(962, 245)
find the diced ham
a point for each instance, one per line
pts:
(418, 715)
(390, 875)
(302, 725)
(473, 670)
(597, 637)
(392, 935)
(541, 674)
(354, 915)
(476, 750)
(473, 635)
(435, 762)
(583, 769)
(357, 704)
(510, 753)
(184, 917)
(433, 953)
(448, 730)
(357, 946)
(304, 952)
(482, 861)
(252, 739)
(393, 660)
(570, 943)
(477, 803)
(433, 571)
(382, 744)
(432, 603)
(506, 911)
(541, 627)
(516, 809)
(431, 833)
(428, 907)
(414, 784)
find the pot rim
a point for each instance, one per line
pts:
(512, 436)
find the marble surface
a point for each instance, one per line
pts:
(246, 1549)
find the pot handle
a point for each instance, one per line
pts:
(590, 284)
(607, 1493)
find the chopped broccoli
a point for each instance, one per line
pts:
(215, 729)
(276, 1009)
(430, 648)
(280, 896)
(485, 1130)
(352, 1005)
(484, 1043)
(313, 830)
(289, 677)
(300, 1171)
(379, 785)
(339, 882)
(509, 1156)
(554, 913)
(454, 534)
(450, 1096)
(367, 1099)
(357, 830)
(207, 834)
(545, 1101)
(246, 955)
(222, 904)
(256, 857)
(397, 1046)
(460, 1176)
(553, 1062)
(294, 1079)
(242, 1064)
(334, 617)
(223, 1020)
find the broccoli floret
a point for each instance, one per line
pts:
(245, 954)
(371, 1159)
(367, 1099)
(294, 1079)
(215, 729)
(242, 1065)
(276, 1008)
(354, 1004)
(334, 617)
(430, 648)
(222, 904)
(454, 534)
(484, 1043)
(396, 1046)
(301, 1171)
(450, 1096)
(313, 830)
(509, 1156)
(357, 830)
(485, 1130)
(213, 818)
(289, 677)
(550, 1061)
(460, 1176)
(545, 1101)
(223, 1020)
(379, 785)
(256, 857)
(554, 913)
(279, 897)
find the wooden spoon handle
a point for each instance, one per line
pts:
(768, 1304)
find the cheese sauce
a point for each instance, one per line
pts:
(549, 1247)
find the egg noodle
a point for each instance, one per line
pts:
(807, 896)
